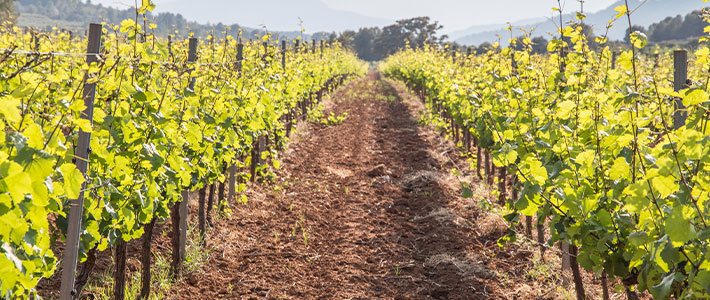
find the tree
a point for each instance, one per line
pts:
(414, 32)
(539, 45)
(627, 36)
(363, 42)
(484, 47)
(7, 11)
(347, 39)
(678, 28)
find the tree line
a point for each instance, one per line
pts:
(7, 10)
(677, 28)
(87, 12)
(375, 43)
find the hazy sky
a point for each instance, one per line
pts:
(453, 14)
(458, 14)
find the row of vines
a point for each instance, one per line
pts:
(163, 121)
(601, 148)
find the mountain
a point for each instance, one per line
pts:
(455, 35)
(649, 11)
(273, 14)
(75, 15)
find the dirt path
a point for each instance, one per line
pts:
(334, 225)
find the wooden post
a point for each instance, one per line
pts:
(541, 235)
(576, 275)
(185, 195)
(613, 60)
(220, 196)
(232, 186)
(232, 194)
(254, 159)
(502, 178)
(266, 51)
(240, 58)
(284, 113)
(210, 203)
(146, 258)
(466, 139)
(680, 62)
(255, 156)
(322, 48)
(283, 55)
(170, 46)
(76, 209)
(313, 46)
(191, 58)
(479, 158)
(201, 212)
(487, 167)
(119, 273)
(564, 249)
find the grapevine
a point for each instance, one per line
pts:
(152, 135)
(593, 147)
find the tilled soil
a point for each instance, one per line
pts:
(368, 209)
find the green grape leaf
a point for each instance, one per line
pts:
(538, 173)
(664, 288)
(9, 110)
(665, 185)
(694, 97)
(678, 227)
(586, 161)
(620, 169)
(73, 180)
(34, 136)
(18, 182)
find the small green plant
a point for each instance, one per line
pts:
(334, 120)
(485, 204)
(101, 287)
(316, 114)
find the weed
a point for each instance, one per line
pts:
(101, 286)
(334, 120)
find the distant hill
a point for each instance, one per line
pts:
(490, 27)
(650, 12)
(274, 14)
(75, 15)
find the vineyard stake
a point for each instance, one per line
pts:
(191, 58)
(259, 144)
(283, 55)
(201, 212)
(82, 163)
(680, 63)
(233, 168)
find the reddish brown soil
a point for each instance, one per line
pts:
(397, 231)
